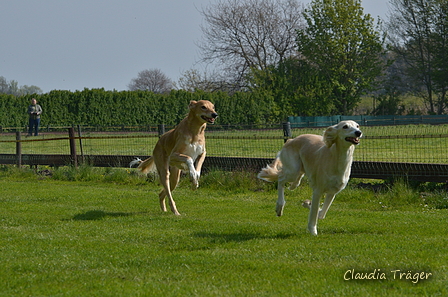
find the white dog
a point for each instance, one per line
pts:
(326, 161)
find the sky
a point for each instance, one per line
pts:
(72, 45)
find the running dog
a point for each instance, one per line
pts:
(178, 149)
(326, 161)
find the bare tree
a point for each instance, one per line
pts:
(418, 32)
(193, 80)
(153, 80)
(12, 87)
(4, 86)
(244, 34)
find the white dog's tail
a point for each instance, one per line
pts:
(145, 166)
(135, 162)
(271, 172)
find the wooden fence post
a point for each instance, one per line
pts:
(71, 135)
(80, 144)
(287, 131)
(161, 129)
(18, 149)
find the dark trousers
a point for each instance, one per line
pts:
(34, 126)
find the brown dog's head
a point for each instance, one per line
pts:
(204, 110)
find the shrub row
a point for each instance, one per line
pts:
(98, 107)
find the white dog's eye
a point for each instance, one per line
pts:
(345, 127)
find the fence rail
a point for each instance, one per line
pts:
(366, 120)
(416, 151)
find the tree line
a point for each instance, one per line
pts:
(99, 107)
(318, 59)
(322, 58)
(12, 87)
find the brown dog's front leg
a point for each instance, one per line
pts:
(186, 162)
(200, 161)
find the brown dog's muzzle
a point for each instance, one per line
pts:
(210, 120)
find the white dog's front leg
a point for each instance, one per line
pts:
(327, 203)
(314, 210)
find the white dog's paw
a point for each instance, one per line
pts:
(312, 230)
(306, 204)
(279, 209)
(321, 215)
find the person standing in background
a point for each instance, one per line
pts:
(34, 111)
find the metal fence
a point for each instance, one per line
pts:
(231, 147)
(366, 120)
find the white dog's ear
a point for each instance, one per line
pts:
(192, 104)
(330, 135)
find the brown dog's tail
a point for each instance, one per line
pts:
(270, 172)
(145, 166)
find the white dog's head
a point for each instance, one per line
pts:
(345, 132)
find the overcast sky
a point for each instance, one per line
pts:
(77, 44)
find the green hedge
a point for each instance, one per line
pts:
(97, 107)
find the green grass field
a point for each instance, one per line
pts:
(99, 232)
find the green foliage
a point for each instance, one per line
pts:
(296, 88)
(388, 104)
(98, 107)
(345, 47)
(13, 111)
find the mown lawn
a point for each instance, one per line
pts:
(67, 236)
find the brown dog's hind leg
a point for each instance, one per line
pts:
(166, 179)
(174, 180)
(164, 176)
(162, 196)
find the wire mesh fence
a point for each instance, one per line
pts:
(410, 143)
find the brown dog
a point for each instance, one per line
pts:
(178, 150)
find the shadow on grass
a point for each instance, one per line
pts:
(94, 215)
(240, 236)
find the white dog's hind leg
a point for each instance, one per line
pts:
(312, 218)
(296, 183)
(327, 203)
(281, 198)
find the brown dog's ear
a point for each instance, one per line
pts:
(192, 104)
(330, 135)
